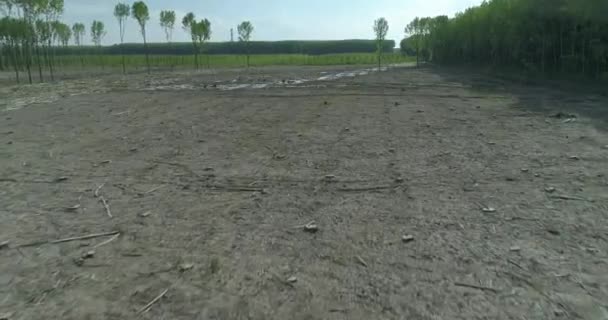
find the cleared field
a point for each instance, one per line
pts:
(405, 194)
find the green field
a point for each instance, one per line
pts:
(215, 61)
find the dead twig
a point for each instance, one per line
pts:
(472, 286)
(96, 193)
(149, 305)
(365, 189)
(361, 261)
(154, 189)
(106, 206)
(566, 197)
(107, 241)
(236, 189)
(85, 237)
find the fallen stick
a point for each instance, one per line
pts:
(96, 193)
(107, 241)
(154, 189)
(466, 285)
(565, 197)
(105, 205)
(85, 237)
(364, 189)
(237, 189)
(149, 305)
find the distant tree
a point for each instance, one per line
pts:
(202, 32)
(167, 22)
(189, 25)
(64, 33)
(245, 29)
(142, 15)
(78, 29)
(414, 30)
(231, 34)
(122, 11)
(98, 31)
(380, 29)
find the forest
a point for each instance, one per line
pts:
(255, 47)
(541, 36)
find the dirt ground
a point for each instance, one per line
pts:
(210, 178)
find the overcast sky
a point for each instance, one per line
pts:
(272, 19)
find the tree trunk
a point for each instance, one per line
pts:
(147, 56)
(122, 52)
(15, 62)
(39, 62)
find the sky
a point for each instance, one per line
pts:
(272, 19)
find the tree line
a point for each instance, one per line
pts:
(314, 47)
(32, 35)
(542, 36)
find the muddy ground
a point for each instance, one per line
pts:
(207, 191)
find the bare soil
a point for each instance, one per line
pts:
(205, 192)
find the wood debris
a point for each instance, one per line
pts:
(361, 261)
(472, 286)
(151, 303)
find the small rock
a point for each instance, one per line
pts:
(325, 102)
(132, 149)
(576, 158)
(515, 249)
(88, 255)
(391, 150)
(525, 170)
(61, 179)
(145, 214)
(311, 227)
(329, 177)
(185, 267)
(537, 175)
(399, 180)
(550, 189)
(4, 244)
(553, 232)
(488, 210)
(10, 142)
(478, 107)
(208, 169)
(292, 280)
(407, 238)
(73, 208)
(419, 111)
(396, 104)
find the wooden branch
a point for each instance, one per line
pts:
(149, 305)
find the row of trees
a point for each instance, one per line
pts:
(30, 33)
(546, 36)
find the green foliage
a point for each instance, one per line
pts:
(255, 47)
(122, 11)
(541, 36)
(167, 22)
(98, 31)
(142, 15)
(380, 29)
(245, 30)
(78, 30)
